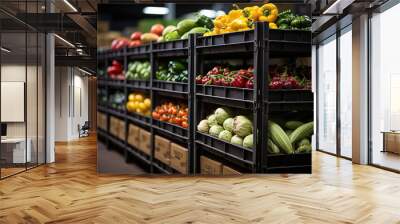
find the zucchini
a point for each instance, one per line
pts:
(288, 132)
(304, 131)
(304, 141)
(279, 137)
(272, 148)
(304, 149)
(292, 125)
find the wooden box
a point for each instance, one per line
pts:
(162, 147)
(102, 120)
(133, 136)
(144, 141)
(392, 142)
(121, 130)
(179, 157)
(114, 126)
(227, 171)
(210, 167)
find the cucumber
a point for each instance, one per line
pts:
(304, 149)
(185, 25)
(292, 125)
(272, 148)
(304, 131)
(304, 141)
(279, 137)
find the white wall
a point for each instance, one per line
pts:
(71, 93)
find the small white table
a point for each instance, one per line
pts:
(18, 151)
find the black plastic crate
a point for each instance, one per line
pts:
(171, 45)
(290, 95)
(237, 152)
(172, 128)
(291, 106)
(226, 39)
(233, 93)
(138, 84)
(142, 49)
(138, 117)
(297, 36)
(289, 160)
(288, 49)
(290, 170)
(181, 87)
(115, 82)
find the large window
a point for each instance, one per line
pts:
(326, 91)
(345, 59)
(385, 89)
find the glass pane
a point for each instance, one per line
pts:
(385, 84)
(327, 95)
(346, 94)
(31, 97)
(13, 86)
(41, 98)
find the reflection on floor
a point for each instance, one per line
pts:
(386, 159)
(10, 171)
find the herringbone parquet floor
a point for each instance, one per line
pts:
(70, 191)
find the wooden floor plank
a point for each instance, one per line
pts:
(70, 191)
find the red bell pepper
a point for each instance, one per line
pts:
(249, 84)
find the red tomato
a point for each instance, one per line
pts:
(181, 113)
(164, 117)
(161, 111)
(185, 118)
(136, 36)
(184, 124)
(155, 115)
(157, 29)
(135, 43)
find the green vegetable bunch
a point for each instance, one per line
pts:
(288, 20)
(138, 71)
(174, 71)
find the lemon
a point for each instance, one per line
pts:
(147, 102)
(139, 111)
(131, 97)
(142, 106)
(135, 105)
(139, 97)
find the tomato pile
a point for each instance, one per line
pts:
(172, 113)
(114, 71)
(220, 76)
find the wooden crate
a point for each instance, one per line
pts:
(210, 167)
(162, 149)
(179, 157)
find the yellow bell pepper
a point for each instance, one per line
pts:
(239, 23)
(272, 26)
(269, 13)
(252, 12)
(234, 14)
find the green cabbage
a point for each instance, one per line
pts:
(242, 126)
(215, 130)
(237, 140)
(203, 126)
(212, 120)
(248, 141)
(228, 124)
(222, 114)
(225, 135)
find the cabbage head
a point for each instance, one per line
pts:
(228, 124)
(221, 114)
(203, 126)
(212, 120)
(242, 126)
(236, 140)
(215, 130)
(225, 135)
(248, 141)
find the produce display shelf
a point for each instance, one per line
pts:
(139, 50)
(224, 92)
(102, 108)
(114, 54)
(290, 106)
(175, 45)
(116, 141)
(138, 84)
(139, 119)
(115, 112)
(138, 154)
(234, 151)
(290, 95)
(279, 160)
(171, 129)
(173, 87)
(113, 83)
(161, 168)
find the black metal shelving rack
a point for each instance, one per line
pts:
(259, 45)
